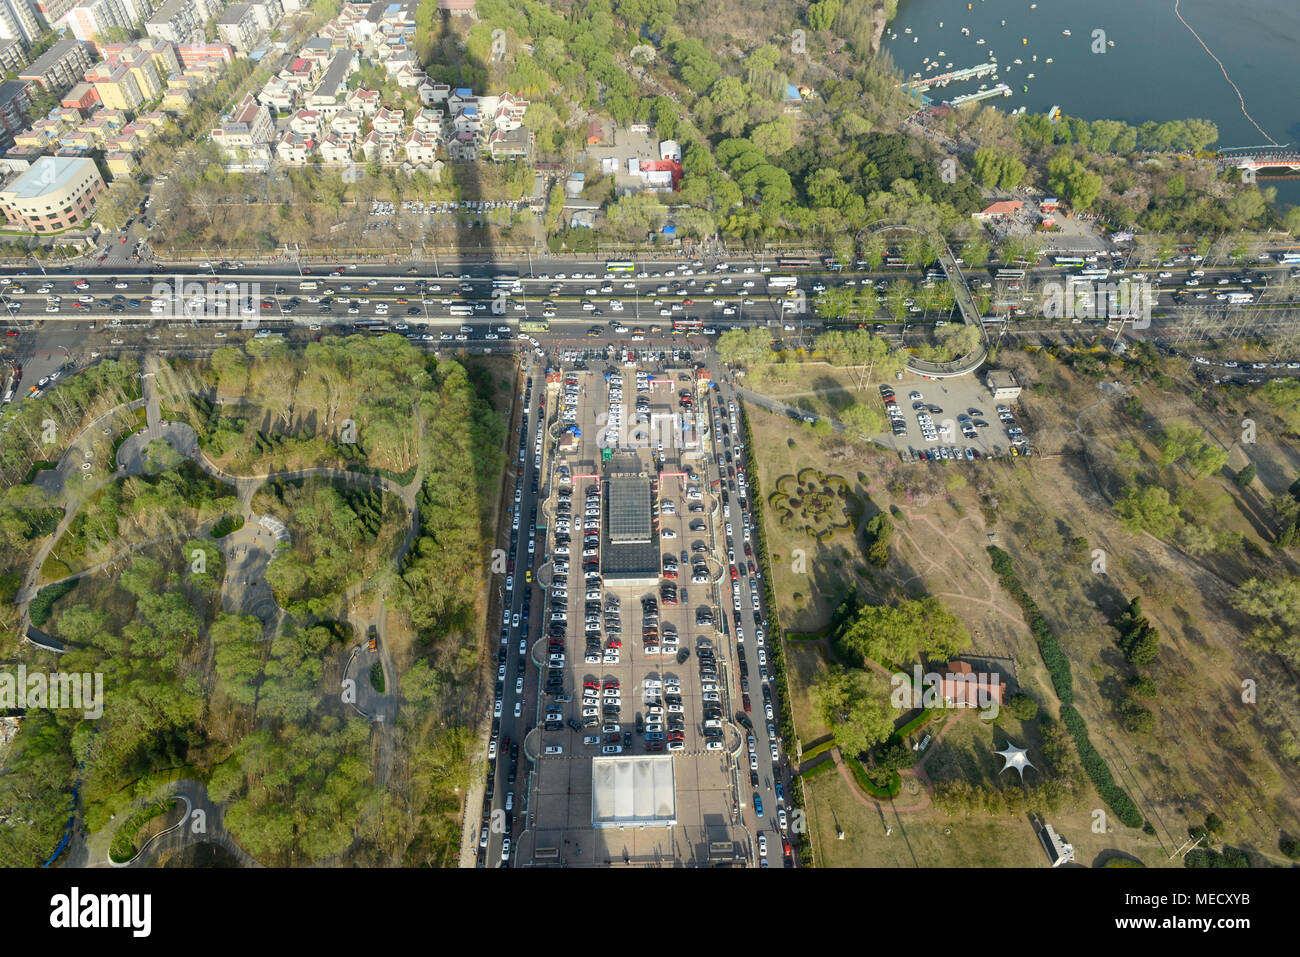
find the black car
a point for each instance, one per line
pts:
(682, 655)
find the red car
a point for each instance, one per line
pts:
(745, 699)
(734, 573)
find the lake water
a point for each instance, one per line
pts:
(1156, 69)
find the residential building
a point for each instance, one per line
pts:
(52, 11)
(346, 123)
(278, 94)
(116, 85)
(294, 148)
(81, 97)
(389, 121)
(363, 101)
(18, 21)
(60, 67)
(516, 144)
(239, 27)
(121, 163)
(330, 92)
(336, 148)
(428, 121)
(457, 8)
(462, 147)
(13, 55)
(191, 54)
(163, 55)
(248, 128)
(305, 121)
(181, 21)
(14, 108)
(56, 193)
(422, 148)
(90, 20)
(380, 147)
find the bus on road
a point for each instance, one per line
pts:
(534, 325)
(1068, 260)
(461, 309)
(620, 265)
(787, 262)
(687, 326)
(505, 281)
(1010, 275)
(371, 324)
(781, 282)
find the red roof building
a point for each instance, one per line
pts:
(1007, 207)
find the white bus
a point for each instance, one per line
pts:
(461, 309)
(620, 265)
(781, 282)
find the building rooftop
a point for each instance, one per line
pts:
(51, 57)
(633, 791)
(48, 174)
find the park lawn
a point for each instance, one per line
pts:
(805, 662)
(832, 568)
(917, 839)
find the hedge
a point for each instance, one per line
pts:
(864, 782)
(123, 847)
(42, 606)
(915, 723)
(1058, 666)
(1093, 763)
(822, 768)
(228, 524)
(817, 749)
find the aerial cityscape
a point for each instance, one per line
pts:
(518, 434)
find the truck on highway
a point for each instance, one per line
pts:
(372, 637)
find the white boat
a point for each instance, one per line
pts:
(979, 42)
(1017, 61)
(1048, 60)
(1065, 33)
(926, 60)
(940, 53)
(947, 66)
(916, 39)
(907, 30)
(1110, 43)
(1029, 76)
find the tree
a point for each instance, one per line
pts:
(1246, 475)
(896, 634)
(854, 705)
(1022, 706)
(749, 347)
(1149, 509)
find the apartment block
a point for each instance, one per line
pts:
(61, 66)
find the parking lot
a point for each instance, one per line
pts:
(951, 419)
(629, 671)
